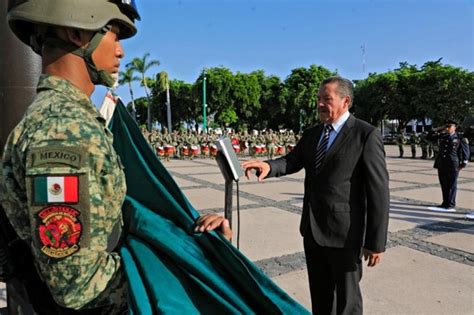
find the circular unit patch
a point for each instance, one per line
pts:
(59, 231)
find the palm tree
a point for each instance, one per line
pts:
(128, 77)
(141, 65)
(164, 85)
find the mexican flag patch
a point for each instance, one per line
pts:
(56, 189)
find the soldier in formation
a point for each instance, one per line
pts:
(425, 144)
(414, 141)
(400, 141)
(191, 144)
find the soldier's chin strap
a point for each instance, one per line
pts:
(97, 76)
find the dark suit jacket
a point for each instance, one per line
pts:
(348, 195)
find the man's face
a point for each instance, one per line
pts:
(330, 104)
(450, 129)
(109, 52)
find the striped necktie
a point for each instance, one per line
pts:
(322, 147)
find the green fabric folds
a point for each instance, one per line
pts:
(171, 269)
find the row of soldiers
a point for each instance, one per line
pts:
(429, 149)
(190, 144)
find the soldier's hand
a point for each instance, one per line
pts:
(210, 222)
(262, 168)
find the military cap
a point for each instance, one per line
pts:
(448, 122)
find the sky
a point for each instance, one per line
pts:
(353, 37)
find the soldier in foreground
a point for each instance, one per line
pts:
(61, 182)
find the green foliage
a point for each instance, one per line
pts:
(127, 77)
(142, 65)
(301, 92)
(141, 105)
(256, 100)
(227, 117)
(448, 92)
(184, 100)
(219, 88)
(269, 113)
(434, 91)
(163, 81)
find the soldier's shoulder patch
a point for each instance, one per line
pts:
(59, 198)
(57, 154)
(59, 231)
(55, 189)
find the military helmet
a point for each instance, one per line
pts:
(91, 15)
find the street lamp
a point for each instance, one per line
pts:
(301, 119)
(204, 105)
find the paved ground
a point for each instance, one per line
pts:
(428, 266)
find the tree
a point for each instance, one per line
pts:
(374, 96)
(406, 106)
(141, 65)
(246, 92)
(301, 92)
(220, 85)
(128, 77)
(272, 101)
(447, 92)
(185, 108)
(141, 106)
(164, 85)
(392, 95)
(434, 91)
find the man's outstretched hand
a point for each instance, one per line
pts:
(262, 168)
(210, 222)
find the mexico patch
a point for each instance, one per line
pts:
(56, 189)
(59, 231)
(56, 154)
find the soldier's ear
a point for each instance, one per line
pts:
(78, 37)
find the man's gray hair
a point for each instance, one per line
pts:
(344, 86)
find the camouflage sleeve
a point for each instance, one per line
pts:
(75, 188)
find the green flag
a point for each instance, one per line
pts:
(171, 269)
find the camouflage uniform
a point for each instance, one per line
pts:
(252, 142)
(72, 235)
(413, 142)
(175, 143)
(261, 141)
(400, 141)
(166, 140)
(191, 141)
(270, 143)
(424, 143)
(204, 145)
(291, 140)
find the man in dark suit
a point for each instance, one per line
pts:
(346, 200)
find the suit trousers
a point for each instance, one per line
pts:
(334, 275)
(448, 178)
